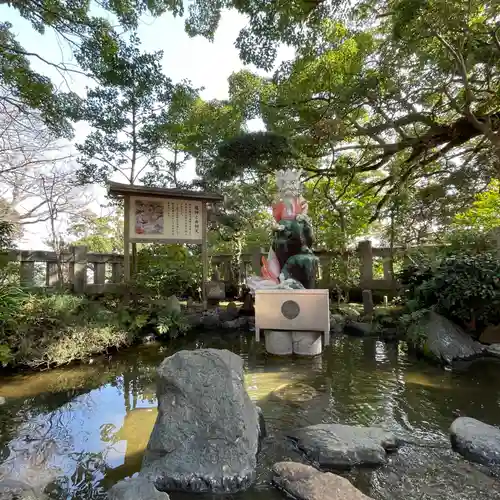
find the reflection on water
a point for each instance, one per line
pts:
(74, 433)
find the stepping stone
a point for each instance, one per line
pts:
(345, 446)
(304, 482)
(476, 441)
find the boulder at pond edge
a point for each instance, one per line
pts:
(344, 446)
(439, 339)
(206, 436)
(476, 441)
(304, 482)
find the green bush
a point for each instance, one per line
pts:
(463, 287)
(165, 270)
(46, 330)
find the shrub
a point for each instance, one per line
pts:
(165, 270)
(45, 330)
(172, 324)
(463, 287)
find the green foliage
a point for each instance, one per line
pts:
(38, 330)
(7, 235)
(483, 215)
(401, 100)
(76, 22)
(173, 128)
(165, 270)
(463, 287)
(126, 113)
(258, 151)
(99, 234)
(171, 325)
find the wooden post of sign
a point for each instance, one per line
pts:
(126, 239)
(204, 254)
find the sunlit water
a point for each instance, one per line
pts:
(74, 433)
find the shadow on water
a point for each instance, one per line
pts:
(76, 432)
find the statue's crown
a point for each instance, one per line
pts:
(288, 177)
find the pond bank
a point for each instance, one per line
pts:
(77, 431)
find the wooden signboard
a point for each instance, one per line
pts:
(166, 220)
(161, 215)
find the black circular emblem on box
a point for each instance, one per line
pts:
(290, 309)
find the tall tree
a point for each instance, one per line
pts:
(77, 23)
(173, 128)
(124, 113)
(405, 88)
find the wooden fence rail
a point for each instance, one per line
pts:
(107, 269)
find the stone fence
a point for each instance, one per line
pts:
(94, 273)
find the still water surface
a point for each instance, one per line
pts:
(73, 433)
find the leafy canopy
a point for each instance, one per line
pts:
(78, 23)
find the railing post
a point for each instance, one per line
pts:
(79, 268)
(387, 263)
(366, 257)
(27, 273)
(116, 272)
(51, 274)
(99, 273)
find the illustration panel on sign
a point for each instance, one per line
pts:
(149, 217)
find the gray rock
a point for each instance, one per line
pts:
(211, 320)
(437, 338)
(358, 329)
(206, 436)
(194, 320)
(235, 324)
(476, 441)
(137, 488)
(345, 446)
(232, 311)
(304, 482)
(432, 474)
(493, 350)
(172, 305)
(16, 490)
(337, 322)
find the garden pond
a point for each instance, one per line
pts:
(75, 432)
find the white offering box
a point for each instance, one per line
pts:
(292, 310)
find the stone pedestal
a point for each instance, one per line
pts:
(285, 343)
(279, 343)
(307, 343)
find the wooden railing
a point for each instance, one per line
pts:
(365, 254)
(94, 273)
(70, 269)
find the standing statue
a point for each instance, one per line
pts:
(291, 262)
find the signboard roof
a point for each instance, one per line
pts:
(117, 189)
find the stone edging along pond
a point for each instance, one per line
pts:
(432, 336)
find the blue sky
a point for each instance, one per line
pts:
(206, 64)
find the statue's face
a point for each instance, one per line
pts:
(288, 182)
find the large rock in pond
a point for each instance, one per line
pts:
(206, 436)
(304, 482)
(476, 441)
(344, 446)
(438, 339)
(137, 488)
